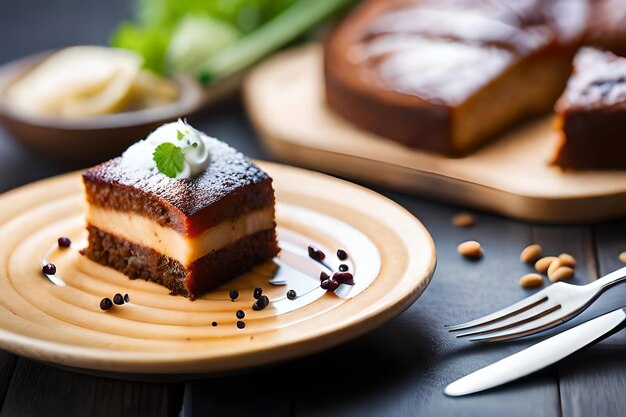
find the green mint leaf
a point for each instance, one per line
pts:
(179, 135)
(169, 159)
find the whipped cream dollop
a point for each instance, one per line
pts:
(189, 141)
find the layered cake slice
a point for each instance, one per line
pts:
(446, 75)
(181, 209)
(591, 114)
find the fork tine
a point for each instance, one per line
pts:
(517, 320)
(520, 306)
(546, 322)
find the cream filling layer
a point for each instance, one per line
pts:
(146, 232)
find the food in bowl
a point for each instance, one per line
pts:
(86, 81)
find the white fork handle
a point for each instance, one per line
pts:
(609, 279)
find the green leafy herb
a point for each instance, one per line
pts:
(179, 135)
(212, 39)
(247, 15)
(150, 42)
(169, 159)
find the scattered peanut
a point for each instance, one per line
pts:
(567, 260)
(463, 220)
(470, 249)
(556, 264)
(531, 281)
(622, 256)
(531, 254)
(543, 264)
(564, 272)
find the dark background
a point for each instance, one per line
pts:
(397, 370)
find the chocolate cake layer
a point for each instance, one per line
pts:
(447, 75)
(230, 186)
(591, 114)
(593, 139)
(204, 274)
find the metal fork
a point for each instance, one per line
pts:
(550, 307)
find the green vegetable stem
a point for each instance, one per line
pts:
(212, 39)
(288, 25)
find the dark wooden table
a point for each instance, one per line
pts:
(399, 369)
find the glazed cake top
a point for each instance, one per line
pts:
(445, 51)
(231, 185)
(599, 82)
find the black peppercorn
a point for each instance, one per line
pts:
(343, 278)
(291, 294)
(342, 255)
(241, 324)
(316, 253)
(329, 285)
(49, 269)
(261, 303)
(106, 304)
(64, 242)
(126, 298)
(234, 294)
(343, 267)
(257, 293)
(214, 324)
(240, 314)
(118, 299)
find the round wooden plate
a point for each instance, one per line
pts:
(391, 255)
(511, 176)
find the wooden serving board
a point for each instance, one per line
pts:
(391, 255)
(511, 176)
